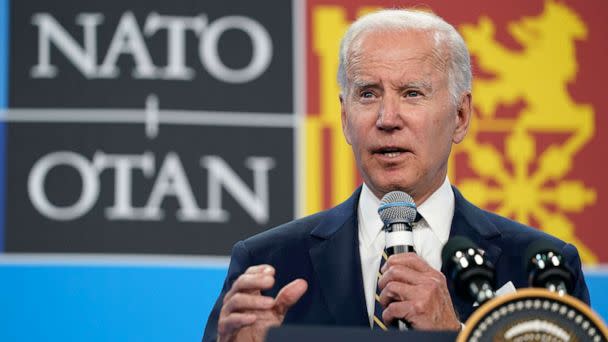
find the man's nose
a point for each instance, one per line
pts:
(389, 115)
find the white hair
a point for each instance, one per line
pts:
(445, 35)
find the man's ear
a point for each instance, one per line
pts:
(464, 113)
(345, 123)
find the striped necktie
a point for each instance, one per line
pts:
(378, 323)
(377, 306)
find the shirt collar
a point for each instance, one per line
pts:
(437, 211)
(370, 224)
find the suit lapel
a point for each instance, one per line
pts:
(337, 264)
(469, 221)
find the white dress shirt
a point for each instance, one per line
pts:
(430, 234)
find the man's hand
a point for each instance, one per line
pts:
(246, 315)
(415, 292)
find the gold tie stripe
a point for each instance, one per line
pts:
(377, 306)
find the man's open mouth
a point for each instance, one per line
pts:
(390, 152)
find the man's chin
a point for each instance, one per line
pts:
(385, 187)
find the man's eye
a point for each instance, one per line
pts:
(367, 94)
(412, 93)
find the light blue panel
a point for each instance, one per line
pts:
(103, 303)
(129, 303)
(597, 281)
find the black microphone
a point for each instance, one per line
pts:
(469, 271)
(546, 268)
(398, 210)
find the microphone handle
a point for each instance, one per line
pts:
(404, 233)
(399, 249)
(557, 286)
(482, 291)
(399, 238)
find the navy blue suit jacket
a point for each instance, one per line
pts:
(323, 250)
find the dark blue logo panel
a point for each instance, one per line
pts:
(148, 127)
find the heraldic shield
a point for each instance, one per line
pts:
(534, 315)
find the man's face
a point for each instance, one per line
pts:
(397, 113)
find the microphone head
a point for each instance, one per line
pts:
(546, 267)
(537, 247)
(397, 207)
(457, 243)
(465, 264)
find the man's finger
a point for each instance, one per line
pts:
(398, 311)
(229, 324)
(262, 268)
(250, 283)
(289, 295)
(396, 292)
(401, 274)
(243, 302)
(411, 260)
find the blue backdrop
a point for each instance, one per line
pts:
(75, 301)
(120, 300)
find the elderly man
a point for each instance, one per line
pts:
(405, 78)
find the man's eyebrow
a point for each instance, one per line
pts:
(416, 84)
(360, 84)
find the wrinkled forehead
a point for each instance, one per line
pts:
(433, 36)
(399, 50)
